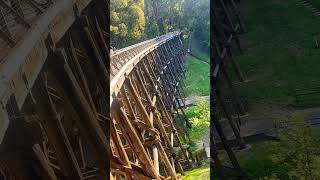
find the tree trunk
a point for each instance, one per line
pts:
(158, 19)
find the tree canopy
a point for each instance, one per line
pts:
(136, 20)
(127, 21)
(297, 151)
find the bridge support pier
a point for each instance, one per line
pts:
(147, 96)
(226, 24)
(57, 97)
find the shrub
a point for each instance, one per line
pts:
(200, 119)
(297, 150)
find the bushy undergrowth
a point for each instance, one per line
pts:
(294, 156)
(199, 116)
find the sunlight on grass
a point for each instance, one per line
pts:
(198, 174)
(197, 77)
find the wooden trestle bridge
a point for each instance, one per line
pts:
(56, 120)
(54, 89)
(146, 93)
(226, 24)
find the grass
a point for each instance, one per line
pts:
(197, 84)
(202, 55)
(276, 157)
(197, 77)
(280, 54)
(201, 173)
(256, 163)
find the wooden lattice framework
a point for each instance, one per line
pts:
(54, 89)
(226, 24)
(146, 99)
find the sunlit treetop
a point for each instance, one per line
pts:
(117, 4)
(127, 21)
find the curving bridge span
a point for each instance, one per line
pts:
(146, 99)
(56, 120)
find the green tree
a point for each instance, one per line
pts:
(127, 22)
(197, 16)
(297, 150)
(164, 16)
(200, 119)
(136, 20)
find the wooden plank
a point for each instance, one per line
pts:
(19, 18)
(88, 119)
(147, 118)
(129, 131)
(50, 175)
(55, 130)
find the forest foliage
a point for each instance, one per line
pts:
(298, 150)
(199, 117)
(295, 155)
(133, 21)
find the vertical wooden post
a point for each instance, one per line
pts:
(217, 125)
(56, 132)
(236, 66)
(228, 116)
(146, 116)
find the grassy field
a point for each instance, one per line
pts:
(280, 54)
(295, 147)
(197, 84)
(279, 58)
(199, 174)
(256, 162)
(202, 55)
(197, 77)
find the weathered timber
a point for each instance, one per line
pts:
(54, 104)
(145, 83)
(54, 91)
(226, 24)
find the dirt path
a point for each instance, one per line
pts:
(261, 119)
(193, 100)
(204, 142)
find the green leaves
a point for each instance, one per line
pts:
(133, 21)
(200, 119)
(295, 156)
(127, 22)
(298, 150)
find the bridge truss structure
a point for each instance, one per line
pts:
(146, 100)
(226, 25)
(54, 113)
(55, 71)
